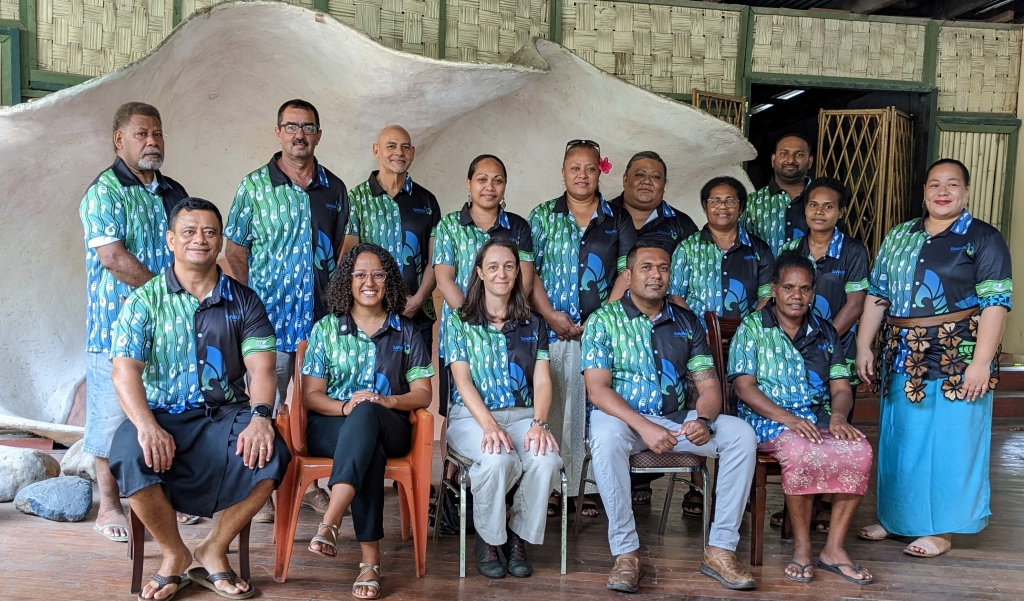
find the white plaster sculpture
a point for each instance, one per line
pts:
(218, 80)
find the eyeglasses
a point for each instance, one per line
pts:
(378, 275)
(732, 203)
(590, 143)
(293, 128)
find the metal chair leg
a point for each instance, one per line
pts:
(579, 505)
(668, 504)
(462, 522)
(705, 518)
(565, 518)
(439, 505)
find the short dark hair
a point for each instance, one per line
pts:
(190, 204)
(641, 245)
(126, 111)
(484, 157)
(297, 103)
(725, 180)
(647, 154)
(338, 295)
(793, 259)
(963, 169)
(474, 307)
(810, 147)
(832, 184)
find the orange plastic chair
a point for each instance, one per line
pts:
(412, 473)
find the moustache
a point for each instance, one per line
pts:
(299, 142)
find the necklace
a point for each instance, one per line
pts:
(370, 321)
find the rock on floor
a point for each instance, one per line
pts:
(77, 462)
(21, 467)
(66, 499)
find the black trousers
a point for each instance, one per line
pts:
(361, 444)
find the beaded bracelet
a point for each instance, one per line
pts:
(541, 423)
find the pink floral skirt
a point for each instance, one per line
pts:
(831, 466)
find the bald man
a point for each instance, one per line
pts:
(391, 210)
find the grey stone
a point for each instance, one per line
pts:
(77, 462)
(21, 467)
(66, 499)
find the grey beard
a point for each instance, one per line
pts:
(150, 163)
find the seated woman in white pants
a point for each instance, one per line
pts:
(498, 352)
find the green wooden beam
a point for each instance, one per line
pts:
(745, 46)
(931, 53)
(321, 5)
(50, 81)
(27, 15)
(977, 120)
(555, 21)
(849, 83)
(10, 64)
(685, 98)
(11, 24)
(442, 29)
(689, 4)
(933, 130)
(837, 16)
(176, 18)
(35, 93)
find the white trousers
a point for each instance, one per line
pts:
(568, 415)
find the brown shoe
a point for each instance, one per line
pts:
(626, 573)
(724, 568)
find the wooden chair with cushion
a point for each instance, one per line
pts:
(720, 332)
(412, 473)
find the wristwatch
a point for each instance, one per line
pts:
(709, 423)
(262, 410)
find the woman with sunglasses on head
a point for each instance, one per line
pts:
(460, 234)
(580, 242)
(498, 352)
(359, 391)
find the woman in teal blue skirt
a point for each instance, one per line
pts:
(942, 285)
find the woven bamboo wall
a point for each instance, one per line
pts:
(409, 25)
(9, 10)
(978, 69)
(190, 6)
(667, 49)
(490, 31)
(838, 48)
(985, 157)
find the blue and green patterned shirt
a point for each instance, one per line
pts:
(293, 236)
(501, 361)
(402, 225)
(774, 217)
(118, 207)
(578, 266)
(794, 374)
(729, 283)
(350, 361)
(457, 239)
(649, 359)
(194, 350)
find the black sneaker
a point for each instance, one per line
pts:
(515, 554)
(487, 560)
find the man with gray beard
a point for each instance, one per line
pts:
(124, 214)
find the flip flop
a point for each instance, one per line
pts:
(801, 577)
(935, 545)
(182, 581)
(693, 504)
(643, 490)
(834, 568)
(192, 519)
(205, 579)
(101, 530)
(776, 518)
(873, 532)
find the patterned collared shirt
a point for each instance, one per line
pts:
(666, 226)
(457, 239)
(350, 361)
(402, 225)
(729, 283)
(649, 359)
(842, 270)
(794, 374)
(293, 236)
(194, 350)
(774, 217)
(117, 206)
(578, 266)
(501, 362)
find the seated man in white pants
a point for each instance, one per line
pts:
(637, 355)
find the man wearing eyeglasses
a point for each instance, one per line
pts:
(285, 230)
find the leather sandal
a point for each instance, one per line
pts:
(163, 581)
(205, 579)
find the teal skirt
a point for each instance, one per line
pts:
(933, 462)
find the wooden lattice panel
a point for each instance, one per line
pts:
(490, 31)
(190, 6)
(666, 49)
(93, 37)
(731, 109)
(871, 152)
(9, 10)
(985, 156)
(838, 48)
(978, 69)
(409, 25)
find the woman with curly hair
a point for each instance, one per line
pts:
(359, 391)
(939, 291)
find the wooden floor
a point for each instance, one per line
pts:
(48, 560)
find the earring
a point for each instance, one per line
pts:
(503, 204)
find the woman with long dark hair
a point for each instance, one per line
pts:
(359, 391)
(498, 352)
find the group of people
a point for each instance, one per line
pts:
(584, 321)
